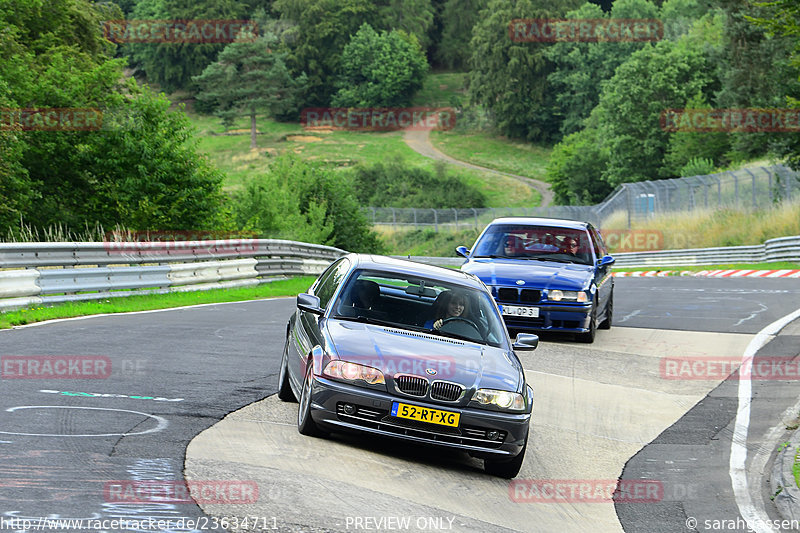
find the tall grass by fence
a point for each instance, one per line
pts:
(756, 188)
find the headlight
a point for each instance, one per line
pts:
(503, 399)
(352, 372)
(567, 296)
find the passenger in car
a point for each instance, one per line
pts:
(570, 246)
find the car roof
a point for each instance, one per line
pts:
(403, 266)
(540, 221)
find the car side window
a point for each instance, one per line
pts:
(600, 246)
(330, 281)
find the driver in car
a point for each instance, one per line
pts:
(448, 304)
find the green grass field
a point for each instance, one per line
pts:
(289, 287)
(230, 151)
(490, 151)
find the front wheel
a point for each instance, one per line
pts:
(606, 323)
(506, 469)
(284, 388)
(305, 422)
(588, 337)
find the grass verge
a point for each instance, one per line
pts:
(490, 151)
(796, 467)
(148, 302)
(706, 228)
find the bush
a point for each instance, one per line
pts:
(302, 201)
(394, 184)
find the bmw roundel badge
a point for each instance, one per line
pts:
(430, 371)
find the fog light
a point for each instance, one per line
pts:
(349, 409)
(492, 435)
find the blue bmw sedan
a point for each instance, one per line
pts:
(546, 274)
(409, 351)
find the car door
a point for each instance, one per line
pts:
(307, 332)
(602, 275)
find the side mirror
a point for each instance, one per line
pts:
(462, 251)
(607, 260)
(525, 342)
(310, 303)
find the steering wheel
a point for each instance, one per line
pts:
(462, 319)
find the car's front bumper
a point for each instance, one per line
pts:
(571, 317)
(373, 415)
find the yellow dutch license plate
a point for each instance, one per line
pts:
(423, 414)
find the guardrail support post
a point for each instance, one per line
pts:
(476, 216)
(455, 212)
(415, 217)
(435, 220)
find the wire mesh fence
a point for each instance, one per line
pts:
(754, 188)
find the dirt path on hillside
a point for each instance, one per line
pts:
(419, 141)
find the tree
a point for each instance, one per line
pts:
(458, 19)
(321, 30)
(249, 77)
(785, 22)
(652, 80)
(687, 146)
(582, 67)
(304, 201)
(172, 65)
(415, 17)
(576, 166)
(510, 77)
(138, 167)
(758, 69)
(379, 70)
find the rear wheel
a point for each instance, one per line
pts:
(606, 323)
(506, 469)
(284, 388)
(305, 422)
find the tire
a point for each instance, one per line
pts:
(305, 422)
(506, 469)
(606, 323)
(588, 337)
(284, 388)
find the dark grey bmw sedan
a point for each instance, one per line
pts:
(409, 351)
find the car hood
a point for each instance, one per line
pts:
(399, 351)
(535, 274)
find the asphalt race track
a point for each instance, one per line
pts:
(188, 392)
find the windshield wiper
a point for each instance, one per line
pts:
(553, 259)
(368, 320)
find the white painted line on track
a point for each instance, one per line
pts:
(754, 513)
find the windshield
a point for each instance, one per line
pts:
(420, 304)
(546, 243)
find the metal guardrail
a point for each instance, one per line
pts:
(774, 250)
(46, 273)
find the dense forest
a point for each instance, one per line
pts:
(598, 103)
